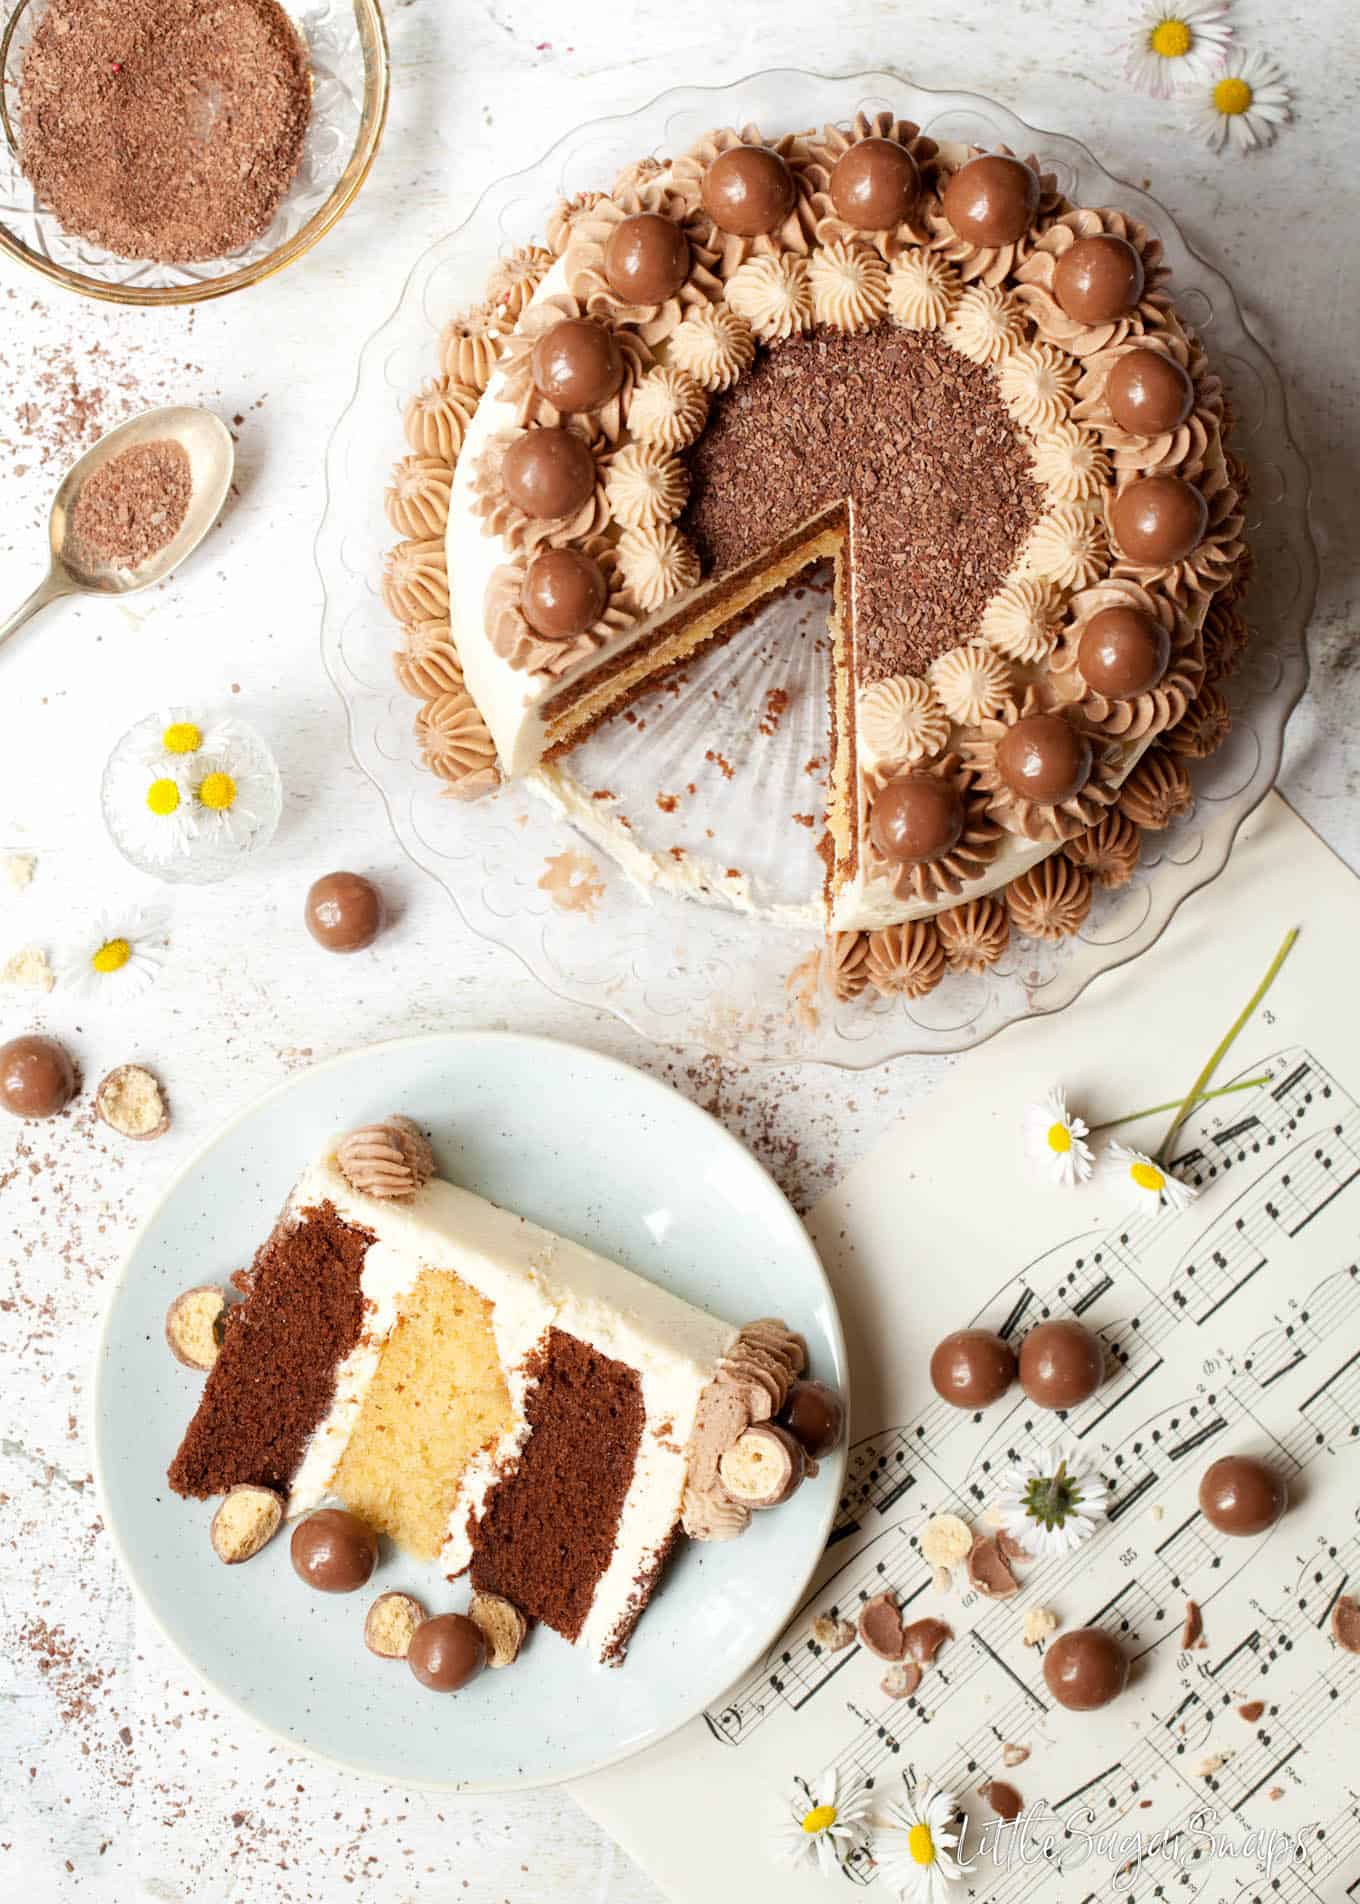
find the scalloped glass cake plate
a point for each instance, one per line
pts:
(721, 773)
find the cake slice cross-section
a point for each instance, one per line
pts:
(489, 1395)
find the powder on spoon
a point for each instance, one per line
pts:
(131, 507)
(164, 129)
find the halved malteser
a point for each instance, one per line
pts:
(763, 1467)
(193, 1326)
(501, 1625)
(247, 1520)
(391, 1623)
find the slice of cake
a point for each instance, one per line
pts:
(486, 1393)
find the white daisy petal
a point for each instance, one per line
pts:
(1244, 104)
(1175, 44)
(1147, 1182)
(916, 1848)
(821, 1823)
(117, 956)
(1055, 1142)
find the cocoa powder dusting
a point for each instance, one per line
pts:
(164, 129)
(132, 507)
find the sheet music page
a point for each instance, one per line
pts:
(1233, 1326)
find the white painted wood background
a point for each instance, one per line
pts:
(119, 1779)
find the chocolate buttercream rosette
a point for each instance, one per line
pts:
(934, 812)
(844, 965)
(1157, 792)
(436, 418)
(1108, 852)
(415, 580)
(514, 280)
(504, 517)
(1147, 380)
(619, 360)
(1129, 660)
(456, 745)
(427, 663)
(557, 642)
(974, 935)
(747, 194)
(906, 961)
(471, 344)
(879, 164)
(1225, 636)
(1050, 900)
(1204, 726)
(1186, 573)
(1044, 775)
(977, 258)
(641, 240)
(1067, 313)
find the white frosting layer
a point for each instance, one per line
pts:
(534, 1281)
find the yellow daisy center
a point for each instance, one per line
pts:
(921, 1845)
(1147, 1177)
(1059, 1139)
(162, 796)
(1171, 39)
(182, 737)
(112, 956)
(218, 791)
(820, 1818)
(1232, 97)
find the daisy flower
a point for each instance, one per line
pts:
(117, 957)
(230, 795)
(176, 734)
(1175, 44)
(1150, 1184)
(1055, 1142)
(821, 1823)
(150, 806)
(916, 1851)
(1245, 105)
(1052, 1502)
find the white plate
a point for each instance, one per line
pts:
(595, 1150)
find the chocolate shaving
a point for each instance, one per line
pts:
(916, 437)
(1252, 1711)
(1192, 1633)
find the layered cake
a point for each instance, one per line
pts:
(489, 1395)
(917, 361)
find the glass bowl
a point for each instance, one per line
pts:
(695, 974)
(351, 82)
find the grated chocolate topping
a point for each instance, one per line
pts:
(274, 1378)
(549, 1527)
(915, 438)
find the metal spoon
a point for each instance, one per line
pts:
(207, 443)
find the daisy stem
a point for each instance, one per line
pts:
(1220, 1051)
(1174, 1103)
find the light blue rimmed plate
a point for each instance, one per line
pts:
(575, 1141)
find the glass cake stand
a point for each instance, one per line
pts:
(724, 777)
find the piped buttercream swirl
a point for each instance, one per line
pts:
(971, 682)
(974, 935)
(849, 285)
(657, 564)
(1022, 620)
(456, 744)
(1037, 384)
(714, 346)
(773, 295)
(645, 485)
(906, 961)
(922, 291)
(1050, 900)
(899, 720)
(985, 324)
(669, 409)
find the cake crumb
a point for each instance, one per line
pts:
(942, 1580)
(901, 1679)
(946, 1539)
(1040, 1622)
(17, 870)
(28, 967)
(1211, 1763)
(1275, 1793)
(831, 1634)
(1013, 1755)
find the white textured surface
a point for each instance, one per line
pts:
(119, 1779)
